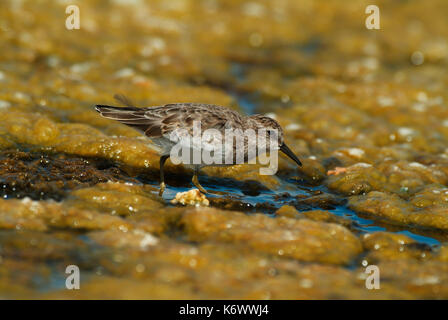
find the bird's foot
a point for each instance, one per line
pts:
(161, 189)
(201, 189)
(197, 184)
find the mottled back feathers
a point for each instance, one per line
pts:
(168, 124)
(161, 120)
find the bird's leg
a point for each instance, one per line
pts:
(196, 181)
(162, 176)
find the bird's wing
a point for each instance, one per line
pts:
(131, 116)
(176, 123)
(162, 121)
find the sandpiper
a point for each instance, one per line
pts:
(159, 121)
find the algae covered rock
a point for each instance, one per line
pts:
(391, 207)
(304, 239)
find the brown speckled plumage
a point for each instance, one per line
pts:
(159, 121)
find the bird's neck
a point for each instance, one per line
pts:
(253, 122)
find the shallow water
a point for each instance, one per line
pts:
(267, 198)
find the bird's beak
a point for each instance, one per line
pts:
(285, 149)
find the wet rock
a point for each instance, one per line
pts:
(42, 216)
(325, 201)
(289, 212)
(424, 279)
(35, 246)
(231, 203)
(412, 176)
(300, 239)
(117, 198)
(331, 163)
(430, 196)
(255, 182)
(358, 179)
(21, 279)
(43, 176)
(390, 246)
(312, 170)
(169, 269)
(326, 216)
(316, 215)
(129, 239)
(394, 209)
(162, 221)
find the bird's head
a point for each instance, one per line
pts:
(273, 127)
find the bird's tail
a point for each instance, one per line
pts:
(128, 115)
